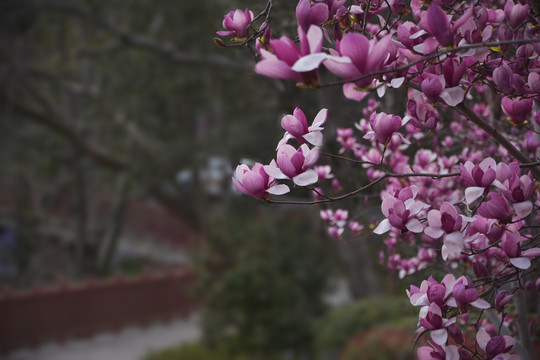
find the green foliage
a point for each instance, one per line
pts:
(194, 351)
(264, 279)
(340, 325)
(387, 342)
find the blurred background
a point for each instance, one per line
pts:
(120, 125)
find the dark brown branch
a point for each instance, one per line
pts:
(371, 184)
(501, 139)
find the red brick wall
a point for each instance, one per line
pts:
(42, 314)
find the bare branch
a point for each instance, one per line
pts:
(363, 188)
(501, 139)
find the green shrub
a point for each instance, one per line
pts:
(263, 282)
(340, 325)
(387, 342)
(194, 351)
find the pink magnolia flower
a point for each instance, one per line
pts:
(515, 13)
(237, 22)
(443, 221)
(487, 227)
(431, 291)
(511, 245)
(355, 227)
(326, 215)
(401, 211)
(255, 182)
(519, 192)
(383, 127)
(432, 87)
(422, 114)
(409, 35)
(324, 172)
(293, 164)
(335, 232)
(453, 71)
(496, 347)
(296, 127)
(340, 217)
(431, 318)
(496, 207)
(517, 109)
(466, 294)
(534, 82)
(365, 56)
(308, 13)
(502, 299)
(477, 177)
(448, 223)
(438, 352)
(502, 77)
(280, 62)
(436, 22)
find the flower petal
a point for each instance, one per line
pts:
(383, 227)
(414, 225)
(309, 62)
(453, 96)
(278, 189)
(315, 138)
(472, 193)
(274, 172)
(481, 304)
(523, 209)
(439, 336)
(320, 119)
(306, 178)
(521, 262)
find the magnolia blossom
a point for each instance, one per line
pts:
(477, 177)
(324, 172)
(496, 207)
(308, 13)
(237, 22)
(278, 63)
(383, 126)
(365, 56)
(436, 22)
(515, 13)
(496, 347)
(438, 352)
(401, 210)
(502, 299)
(448, 223)
(517, 109)
(511, 245)
(503, 78)
(431, 318)
(255, 182)
(355, 227)
(519, 192)
(422, 114)
(293, 164)
(432, 87)
(466, 294)
(296, 127)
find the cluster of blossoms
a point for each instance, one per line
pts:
(291, 163)
(457, 171)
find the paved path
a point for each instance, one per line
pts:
(132, 343)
